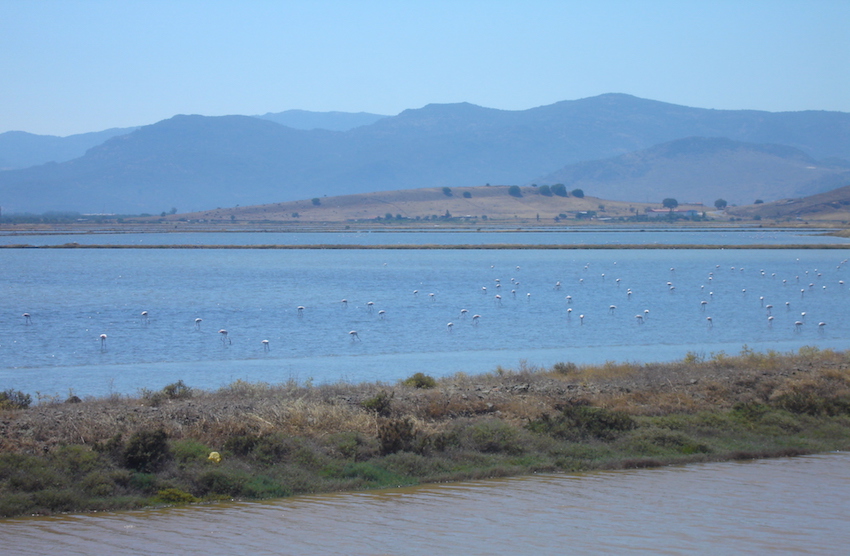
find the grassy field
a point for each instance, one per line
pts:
(278, 440)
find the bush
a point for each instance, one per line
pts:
(578, 422)
(577, 193)
(420, 380)
(14, 399)
(147, 451)
(514, 191)
(380, 403)
(396, 435)
(447, 191)
(177, 391)
(188, 450)
(545, 190)
(174, 496)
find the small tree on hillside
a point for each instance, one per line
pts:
(670, 203)
(514, 191)
(720, 204)
(447, 191)
(577, 193)
(559, 189)
(545, 190)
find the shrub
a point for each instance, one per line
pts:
(222, 481)
(447, 191)
(577, 193)
(545, 190)
(174, 496)
(467, 195)
(565, 368)
(514, 191)
(578, 422)
(14, 399)
(396, 435)
(420, 380)
(493, 436)
(177, 391)
(147, 451)
(380, 403)
(189, 450)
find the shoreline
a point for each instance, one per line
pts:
(120, 452)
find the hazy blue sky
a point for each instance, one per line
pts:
(75, 66)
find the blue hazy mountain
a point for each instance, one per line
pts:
(332, 121)
(19, 149)
(198, 162)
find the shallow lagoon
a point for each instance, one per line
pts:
(76, 295)
(536, 236)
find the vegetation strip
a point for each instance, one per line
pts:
(179, 445)
(436, 246)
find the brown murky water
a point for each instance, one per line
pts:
(796, 505)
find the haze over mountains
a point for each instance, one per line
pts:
(612, 146)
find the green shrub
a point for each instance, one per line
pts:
(174, 496)
(241, 445)
(578, 422)
(147, 451)
(14, 399)
(189, 450)
(381, 402)
(222, 481)
(420, 380)
(177, 391)
(493, 436)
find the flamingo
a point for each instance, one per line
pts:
(710, 322)
(198, 323)
(354, 335)
(463, 312)
(344, 302)
(265, 345)
(224, 337)
(102, 341)
(639, 319)
(475, 319)
(798, 325)
(300, 310)
(27, 318)
(450, 326)
(498, 299)
(612, 308)
(569, 299)
(381, 313)
(371, 304)
(145, 316)
(770, 320)
(581, 319)
(431, 295)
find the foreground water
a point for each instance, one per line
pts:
(537, 306)
(784, 506)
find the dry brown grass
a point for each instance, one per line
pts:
(807, 381)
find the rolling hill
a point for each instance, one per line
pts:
(196, 162)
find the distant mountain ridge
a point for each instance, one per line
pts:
(706, 169)
(331, 121)
(19, 149)
(198, 162)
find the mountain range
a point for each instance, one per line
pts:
(612, 146)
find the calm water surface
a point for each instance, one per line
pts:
(784, 506)
(74, 296)
(578, 236)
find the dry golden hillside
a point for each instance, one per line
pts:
(490, 202)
